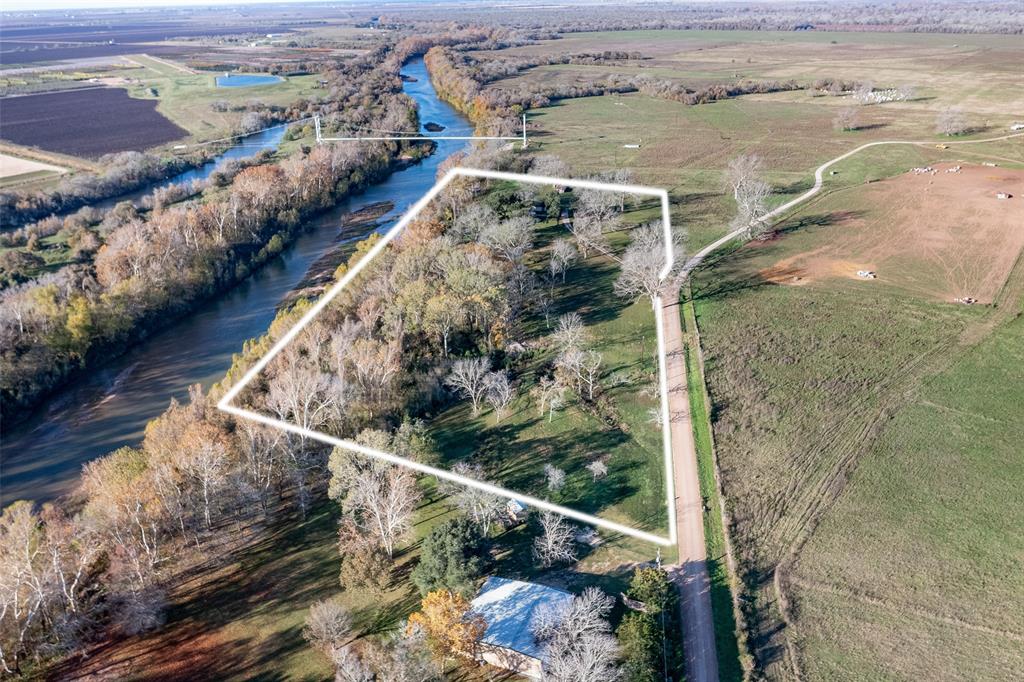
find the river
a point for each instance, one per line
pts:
(41, 458)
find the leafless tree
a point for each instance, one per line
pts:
(555, 544)
(555, 477)
(577, 639)
(403, 657)
(951, 121)
(595, 203)
(864, 92)
(847, 119)
(208, 466)
(469, 378)
(751, 194)
(569, 364)
(642, 263)
(590, 370)
(381, 501)
(550, 166)
(550, 396)
(571, 332)
(480, 506)
(499, 392)
(261, 458)
(510, 239)
(328, 626)
(349, 667)
(597, 469)
(907, 92)
(589, 231)
(563, 255)
(473, 222)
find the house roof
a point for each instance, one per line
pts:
(510, 607)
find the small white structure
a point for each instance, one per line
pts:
(631, 146)
(516, 511)
(866, 274)
(510, 608)
(1017, 126)
(1003, 195)
(990, 164)
(589, 537)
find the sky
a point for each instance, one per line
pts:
(23, 5)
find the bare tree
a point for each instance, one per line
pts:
(751, 194)
(589, 231)
(499, 392)
(847, 119)
(479, 505)
(550, 166)
(571, 332)
(208, 466)
(510, 239)
(864, 92)
(590, 370)
(642, 263)
(596, 203)
(555, 544)
(381, 501)
(577, 639)
(951, 121)
(569, 364)
(907, 92)
(550, 396)
(555, 477)
(328, 626)
(563, 255)
(597, 469)
(469, 378)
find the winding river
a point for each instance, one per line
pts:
(42, 457)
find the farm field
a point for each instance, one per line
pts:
(809, 382)
(16, 170)
(87, 123)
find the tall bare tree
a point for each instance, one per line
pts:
(951, 121)
(556, 544)
(642, 263)
(468, 377)
(499, 392)
(750, 191)
(577, 639)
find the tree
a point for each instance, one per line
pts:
(590, 368)
(589, 231)
(571, 332)
(556, 543)
(479, 505)
(555, 477)
(750, 192)
(403, 657)
(451, 558)
(847, 119)
(380, 501)
(864, 93)
(550, 166)
(597, 469)
(951, 121)
(469, 378)
(577, 639)
(328, 626)
(550, 395)
(449, 625)
(563, 255)
(641, 632)
(510, 239)
(642, 263)
(499, 392)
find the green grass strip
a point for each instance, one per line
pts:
(726, 644)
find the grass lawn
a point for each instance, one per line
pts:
(616, 428)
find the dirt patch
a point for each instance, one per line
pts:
(13, 166)
(942, 234)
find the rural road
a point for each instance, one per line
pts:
(691, 575)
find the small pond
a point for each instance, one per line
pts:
(245, 80)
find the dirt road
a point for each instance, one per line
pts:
(691, 575)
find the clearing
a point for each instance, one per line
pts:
(943, 235)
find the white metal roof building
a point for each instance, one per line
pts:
(510, 608)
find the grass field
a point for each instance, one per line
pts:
(816, 387)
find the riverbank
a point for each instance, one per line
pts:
(106, 408)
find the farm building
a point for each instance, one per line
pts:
(510, 608)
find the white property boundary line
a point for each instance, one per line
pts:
(225, 403)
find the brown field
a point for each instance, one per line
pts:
(13, 168)
(941, 236)
(89, 122)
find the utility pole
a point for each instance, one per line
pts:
(524, 130)
(316, 124)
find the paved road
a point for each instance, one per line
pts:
(691, 575)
